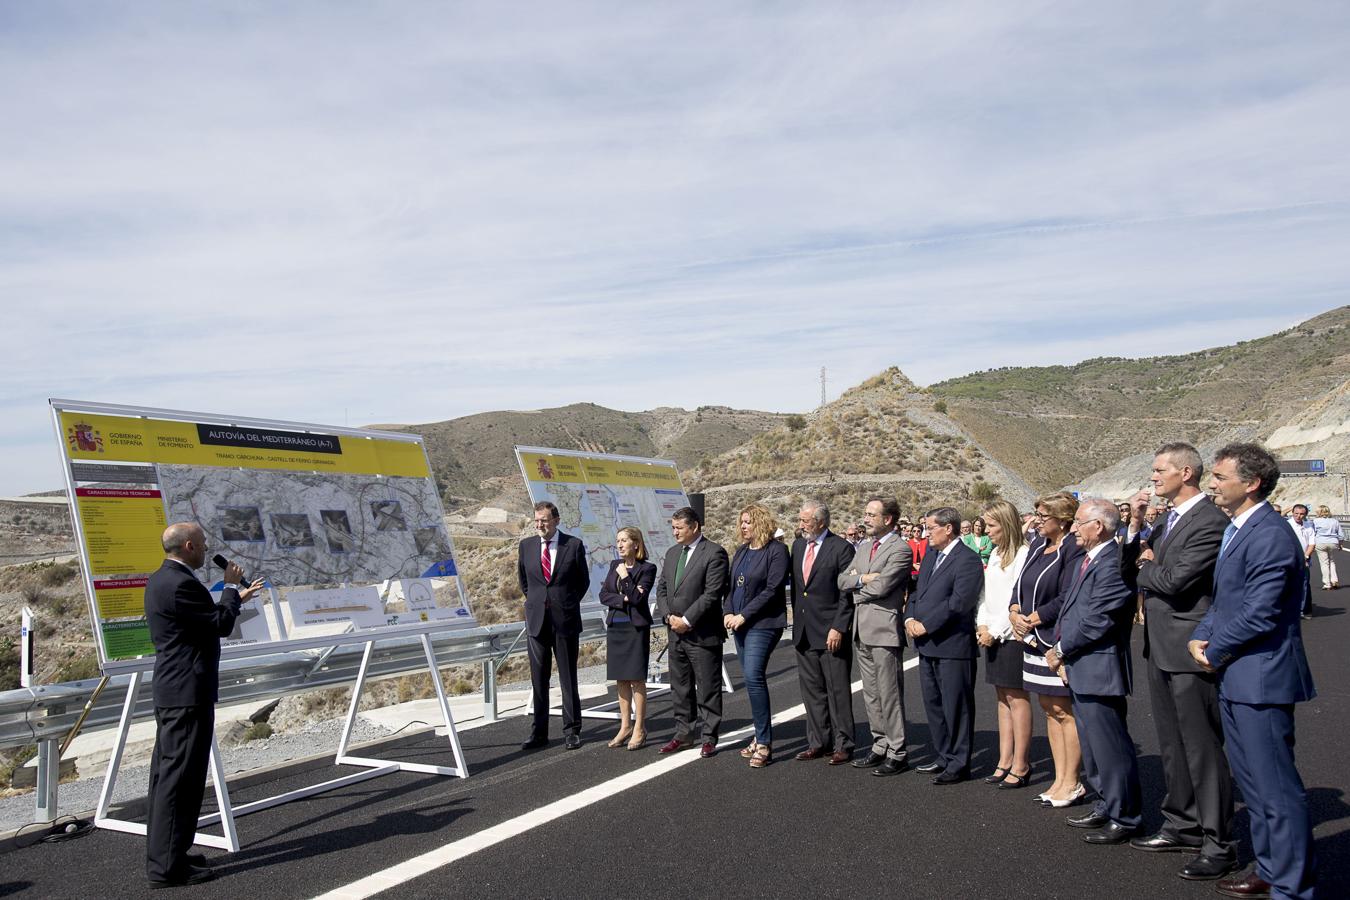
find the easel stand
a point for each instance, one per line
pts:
(373, 768)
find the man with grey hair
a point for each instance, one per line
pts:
(822, 617)
(1176, 576)
(1092, 655)
(941, 621)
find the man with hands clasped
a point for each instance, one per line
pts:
(940, 619)
(1092, 655)
(822, 625)
(1251, 639)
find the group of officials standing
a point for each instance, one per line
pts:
(1223, 582)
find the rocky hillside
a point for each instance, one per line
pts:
(474, 463)
(884, 436)
(1059, 425)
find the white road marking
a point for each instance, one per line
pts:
(456, 850)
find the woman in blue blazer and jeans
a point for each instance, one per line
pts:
(756, 616)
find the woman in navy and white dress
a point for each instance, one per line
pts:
(1044, 583)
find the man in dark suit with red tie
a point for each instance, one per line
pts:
(553, 577)
(822, 622)
(186, 626)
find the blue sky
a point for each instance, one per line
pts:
(404, 212)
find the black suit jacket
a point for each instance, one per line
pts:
(945, 602)
(699, 595)
(186, 626)
(819, 605)
(765, 588)
(629, 595)
(1178, 585)
(561, 594)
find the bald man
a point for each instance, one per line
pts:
(186, 626)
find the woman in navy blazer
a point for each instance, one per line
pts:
(756, 616)
(628, 627)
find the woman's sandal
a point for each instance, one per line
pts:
(762, 757)
(749, 750)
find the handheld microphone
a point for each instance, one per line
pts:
(225, 564)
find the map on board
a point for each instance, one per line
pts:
(596, 495)
(300, 528)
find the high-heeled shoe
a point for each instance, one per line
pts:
(619, 739)
(1078, 793)
(749, 749)
(999, 774)
(1009, 784)
(639, 738)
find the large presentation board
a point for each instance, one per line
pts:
(347, 522)
(597, 494)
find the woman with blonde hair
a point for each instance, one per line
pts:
(628, 626)
(1042, 586)
(1003, 652)
(1327, 540)
(756, 616)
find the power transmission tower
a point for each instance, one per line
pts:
(822, 385)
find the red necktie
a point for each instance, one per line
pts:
(544, 563)
(810, 558)
(1083, 568)
(876, 545)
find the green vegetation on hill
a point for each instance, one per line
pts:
(1057, 424)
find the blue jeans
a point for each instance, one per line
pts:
(753, 647)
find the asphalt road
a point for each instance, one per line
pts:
(710, 827)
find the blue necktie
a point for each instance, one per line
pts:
(1171, 523)
(1227, 536)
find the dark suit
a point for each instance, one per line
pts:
(186, 626)
(945, 601)
(553, 620)
(1178, 584)
(696, 655)
(1094, 642)
(1256, 644)
(818, 606)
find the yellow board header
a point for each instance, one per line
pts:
(132, 439)
(549, 467)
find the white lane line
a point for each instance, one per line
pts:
(456, 850)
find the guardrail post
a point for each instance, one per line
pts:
(489, 690)
(48, 779)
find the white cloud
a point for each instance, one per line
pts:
(404, 211)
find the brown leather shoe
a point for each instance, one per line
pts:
(708, 749)
(1246, 885)
(812, 753)
(839, 757)
(675, 745)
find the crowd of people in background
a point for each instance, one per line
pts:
(1219, 581)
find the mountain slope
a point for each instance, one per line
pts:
(1059, 424)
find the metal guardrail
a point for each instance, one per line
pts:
(30, 715)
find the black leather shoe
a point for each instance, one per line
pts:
(1112, 833)
(573, 742)
(951, 778)
(1207, 868)
(1161, 843)
(534, 742)
(890, 767)
(931, 768)
(198, 860)
(870, 761)
(1089, 819)
(195, 875)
